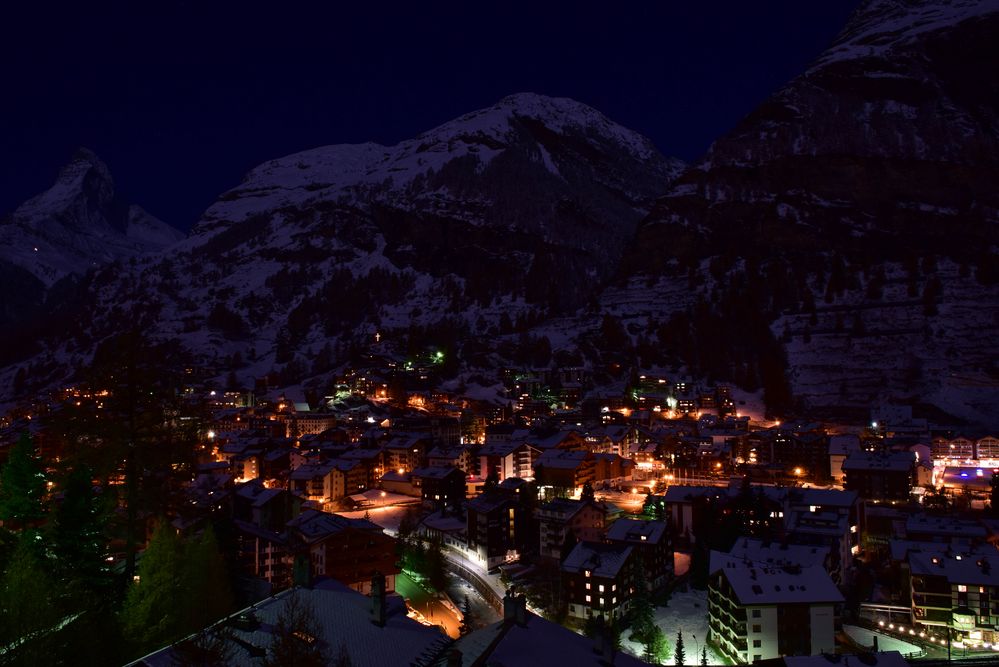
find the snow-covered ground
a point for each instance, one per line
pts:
(865, 637)
(482, 613)
(627, 501)
(388, 518)
(687, 611)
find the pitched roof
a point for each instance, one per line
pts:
(343, 617)
(562, 459)
(537, 643)
(778, 554)
(637, 530)
(602, 560)
(436, 472)
(313, 525)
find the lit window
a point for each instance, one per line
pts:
(601, 588)
(601, 602)
(587, 585)
(586, 573)
(613, 587)
(588, 598)
(961, 588)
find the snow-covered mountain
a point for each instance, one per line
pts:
(78, 224)
(859, 205)
(555, 173)
(510, 213)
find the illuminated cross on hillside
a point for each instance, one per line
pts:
(378, 337)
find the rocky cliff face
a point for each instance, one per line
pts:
(860, 204)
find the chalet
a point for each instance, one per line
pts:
(459, 457)
(311, 422)
(440, 488)
(571, 469)
(598, 579)
(370, 460)
(584, 519)
(492, 527)
(325, 483)
(405, 452)
(348, 550)
(881, 476)
(841, 446)
(652, 541)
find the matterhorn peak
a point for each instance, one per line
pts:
(79, 223)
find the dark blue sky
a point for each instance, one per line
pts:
(182, 98)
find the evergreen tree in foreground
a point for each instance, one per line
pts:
(22, 485)
(643, 612)
(76, 536)
(28, 610)
(679, 655)
(205, 582)
(154, 607)
(466, 617)
(656, 649)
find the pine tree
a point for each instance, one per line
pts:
(27, 604)
(656, 649)
(704, 656)
(643, 612)
(466, 617)
(296, 635)
(207, 593)
(22, 485)
(153, 613)
(436, 565)
(76, 535)
(679, 655)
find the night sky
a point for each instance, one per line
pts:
(181, 99)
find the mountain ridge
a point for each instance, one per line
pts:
(875, 167)
(494, 219)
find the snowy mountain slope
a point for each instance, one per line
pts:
(551, 149)
(884, 153)
(506, 214)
